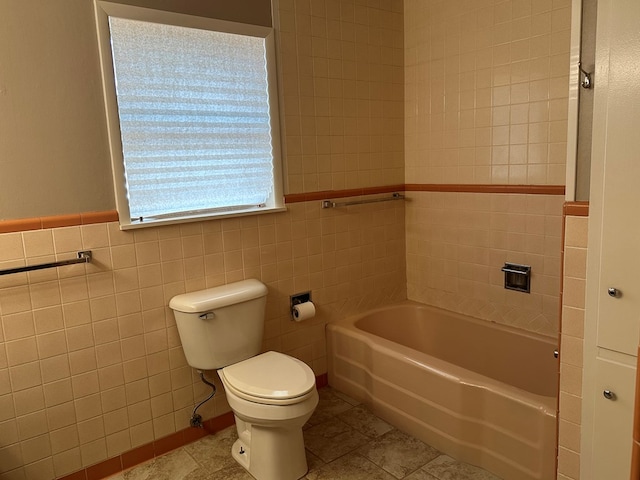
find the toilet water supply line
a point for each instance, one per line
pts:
(196, 419)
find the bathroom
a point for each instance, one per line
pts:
(91, 366)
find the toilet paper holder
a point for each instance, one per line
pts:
(298, 298)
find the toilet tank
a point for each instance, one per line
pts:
(222, 325)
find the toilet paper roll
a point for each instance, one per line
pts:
(304, 311)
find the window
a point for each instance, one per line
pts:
(192, 114)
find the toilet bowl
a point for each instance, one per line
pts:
(271, 394)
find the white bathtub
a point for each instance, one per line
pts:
(480, 392)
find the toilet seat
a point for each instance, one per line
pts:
(271, 378)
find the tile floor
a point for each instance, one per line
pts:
(344, 441)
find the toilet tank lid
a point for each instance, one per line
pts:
(217, 297)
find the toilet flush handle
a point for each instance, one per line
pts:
(207, 316)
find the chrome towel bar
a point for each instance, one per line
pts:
(332, 204)
(83, 257)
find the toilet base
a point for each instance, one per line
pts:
(270, 453)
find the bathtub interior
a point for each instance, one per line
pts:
(512, 356)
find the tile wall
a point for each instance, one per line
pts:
(458, 242)
(342, 67)
(572, 342)
(486, 85)
(90, 360)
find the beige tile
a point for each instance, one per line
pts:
(25, 376)
(83, 360)
(38, 243)
(6, 407)
(163, 425)
(139, 413)
(9, 432)
(568, 463)
(22, 351)
(576, 231)
(73, 289)
(35, 448)
(138, 391)
(108, 354)
(113, 399)
(29, 400)
(79, 338)
(77, 313)
(67, 239)
(40, 469)
(93, 452)
(61, 416)
(85, 384)
(123, 256)
(88, 407)
(94, 236)
(52, 344)
(55, 368)
(5, 382)
(132, 347)
(570, 407)
(15, 300)
(63, 439)
(570, 378)
(11, 457)
(574, 292)
(48, 319)
(18, 325)
(135, 370)
(67, 461)
(569, 435)
(100, 284)
(141, 434)
(118, 443)
(32, 425)
(573, 321)
(111, 376)
(58, 392)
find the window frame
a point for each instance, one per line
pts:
(103, 10)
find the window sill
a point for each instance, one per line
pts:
(200, 218)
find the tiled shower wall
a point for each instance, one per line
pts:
(90, 362)
(457, 243)
(486, 86)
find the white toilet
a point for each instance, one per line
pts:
(272, 395)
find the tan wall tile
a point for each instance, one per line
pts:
(32, 425)
(55, 368)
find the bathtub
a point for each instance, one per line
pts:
(480, 392)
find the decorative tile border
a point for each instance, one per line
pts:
(38, 223)
(163, 445)
(576, 209)
(353, 192)
(484, 188)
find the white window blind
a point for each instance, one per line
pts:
(194, 119)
